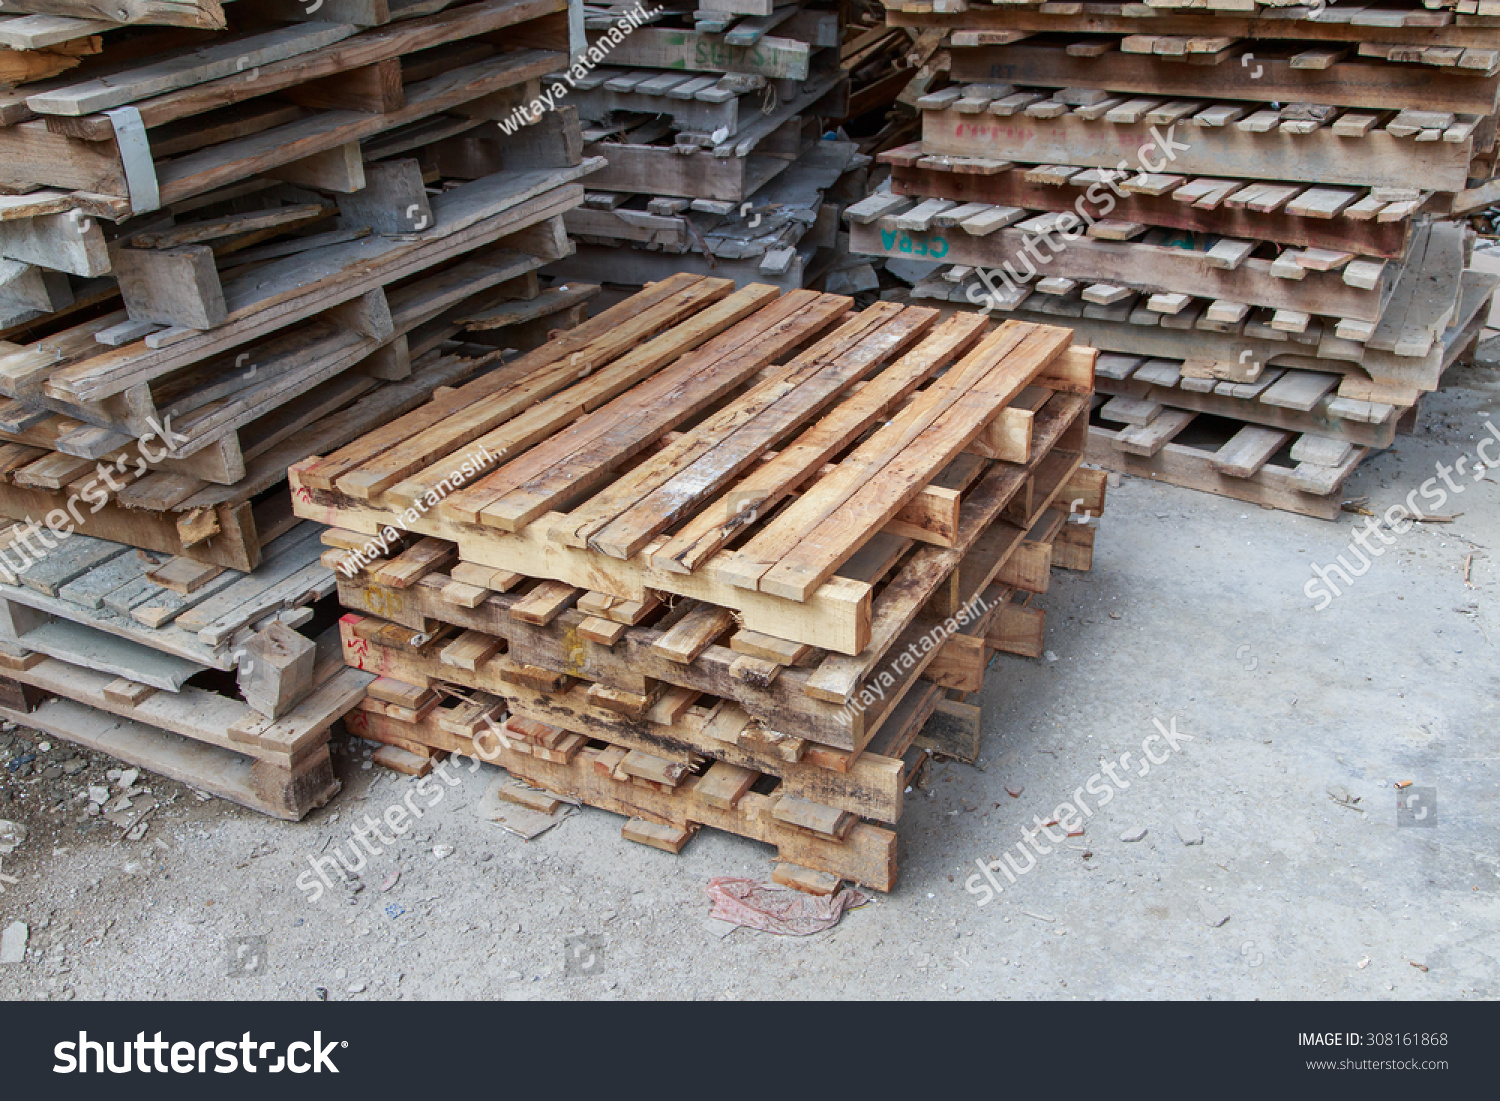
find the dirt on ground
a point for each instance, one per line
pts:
(1274, 852)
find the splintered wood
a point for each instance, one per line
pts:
(1260, 204)
(760, 538)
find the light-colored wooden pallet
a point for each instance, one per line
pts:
(666, 524)
(718, 798)
(763, 681)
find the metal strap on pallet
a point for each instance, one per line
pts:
(135, 154)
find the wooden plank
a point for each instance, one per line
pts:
(827, 524)
(1248, 450)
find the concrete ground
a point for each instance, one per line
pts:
(1304, 884)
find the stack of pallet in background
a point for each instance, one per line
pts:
(734, 592)
(226, 251)
(710, 122)
(1249, 212)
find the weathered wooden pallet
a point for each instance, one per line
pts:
(319, 147)
(288, 793)
(207, 716)
(766, 239)
(731, 171)
(96, 382)
(1334, 23)
(666, 524)
(1147, 266)
(805, 833)
(1289, 400)
(694, 648)
(119, 499)
(1376, 158)
(1217, 463)
(363, 63)
(1272, 74)
(787, 54)
(696, 102)
(1349, 221)
(1439, 329)
(201, 621)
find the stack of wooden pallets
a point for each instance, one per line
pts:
(710, 121)
(1249, 211)
(716, 558)
(226, 246)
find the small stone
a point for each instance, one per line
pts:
(13, 942)
(1135, 833)
(442, 852)
(1188, 832)
(1014, 790)
(44, 747)
(11, 836)
(112, 775)
(1049, 655)
(74, 765)
(357, 988)
(718, 929)
(98, 794)
(128, 777)
(51, 772)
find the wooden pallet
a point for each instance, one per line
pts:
(1156, 265)
(1273, 74)
(210, 741)
(1197, 205)
(828, 700)
(666, 525)
(1234, 461)
(721, 798)
(688, 749)
(195, 618)
(771, 239)
(1244, 349)
(1377, 158)
(1336, 23)
(675, 653)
